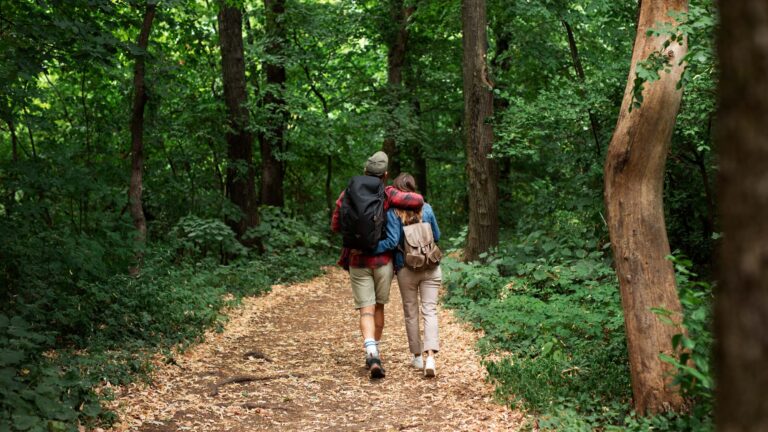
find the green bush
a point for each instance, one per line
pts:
(279, 233)
(37, 393)
(550, 310)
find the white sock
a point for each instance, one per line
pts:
(371, 348)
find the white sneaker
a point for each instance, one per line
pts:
(429, 367)
(417, 362)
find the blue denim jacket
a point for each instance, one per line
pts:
(395, 236)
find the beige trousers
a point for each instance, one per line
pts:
(427, 285)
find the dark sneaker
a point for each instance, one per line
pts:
(374, 365)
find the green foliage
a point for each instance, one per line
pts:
(37, 393)
(694, 348)
(280, 233)
(546, 297)
(198, 237)
(554, 338)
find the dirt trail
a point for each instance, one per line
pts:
(305, 372)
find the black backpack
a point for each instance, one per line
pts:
(362, 212)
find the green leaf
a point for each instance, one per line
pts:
(10, 357)
(25, 422)
(547, 348)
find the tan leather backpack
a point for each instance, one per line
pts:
(419, 248)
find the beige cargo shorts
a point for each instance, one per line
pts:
(371, 286)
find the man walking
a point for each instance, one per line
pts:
(371, 275)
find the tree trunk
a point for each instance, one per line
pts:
(137, 134)
(241, 188)
(741, 310)
(397, 44)
(272, 141)
(419, 159)
(14, 139)
(501, 64)
(478, 109)
(634, 180)
(577, 66)
(10, 199)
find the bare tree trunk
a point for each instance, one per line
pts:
(273, 140)
(330, 203)
(10, 199)
(577, 66)
(741, 311)
(241, 184)
(397, 47)
(137, 134)
(14, 140)
(417, 150)
(478, 109)
(634, 181)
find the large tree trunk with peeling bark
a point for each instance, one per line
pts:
(741, 311)
(634, 179)
(241, 188)
(137, 133)
(478, 132)
(397, 44)
(272, 141)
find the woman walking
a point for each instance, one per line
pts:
(413, 235)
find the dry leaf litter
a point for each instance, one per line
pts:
(293, 361)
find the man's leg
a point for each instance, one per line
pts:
(363, 289)
(382, 279)
(367, 322)
(378, 319)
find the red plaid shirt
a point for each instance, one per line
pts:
(355, 258)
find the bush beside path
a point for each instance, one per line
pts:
(291, 360)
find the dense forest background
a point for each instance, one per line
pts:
(86, 300)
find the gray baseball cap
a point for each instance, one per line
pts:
(377, 164)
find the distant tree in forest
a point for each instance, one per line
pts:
(272, 139)
(741, 311)
(478, 132)
(396, 36)
(634, 180)
(137, 130)
(241, 188)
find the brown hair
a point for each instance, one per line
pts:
(406, 183)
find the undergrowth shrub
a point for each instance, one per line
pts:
(278, 232)
(73, 319)
(554, 340)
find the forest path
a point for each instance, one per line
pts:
(313, 376)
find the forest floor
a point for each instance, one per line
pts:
(293, 360)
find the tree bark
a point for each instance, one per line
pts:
(241, 188)
(741, 303)
(397, 45)
(478, 109)
(272, 141)
(137, 134)
(14, 139)
(417, 152)
(634, 180)
(579, 68)
(10, 198)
